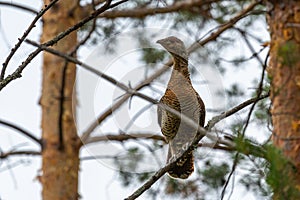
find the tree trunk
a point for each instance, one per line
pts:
(284, 23)
(60, 157)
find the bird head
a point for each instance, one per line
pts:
(174, 46)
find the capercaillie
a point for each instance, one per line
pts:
(181, 96)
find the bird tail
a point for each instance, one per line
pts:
(183, 168)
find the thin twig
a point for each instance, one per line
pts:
(258, 94)
(244, 59)
(21, 130)
(235, 162)
(86, 158)
(31, 26)
(242, 32)
(17, 73)
(15, 5)
(136, 116)
(226, 25)
(211, 123)
(4, 155)
(117, 104)
(86, 38)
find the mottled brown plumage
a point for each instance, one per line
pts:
(181, 96)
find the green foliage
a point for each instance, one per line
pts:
(281, 175)
(254, 179)
(109, 30)
(128, 165)
(262, 112)
(184, 189)
(151, 55)
(235, 91)
(188, 20)
(222, 11)
(248, 146)
(214, 174)
(126, 177)
(186, 16)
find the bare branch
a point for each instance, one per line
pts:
(21, 130)
(11, 4)
(17, 73)
(226, 25)
(251, 48)
(4, 155)
(123, 137)
(31, 26)
(211, 123)
(141, 12)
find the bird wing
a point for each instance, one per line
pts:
(167, 121)
(202, 110)
(191, 106)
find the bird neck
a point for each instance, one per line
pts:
(180, 70)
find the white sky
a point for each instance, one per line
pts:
(19, 104)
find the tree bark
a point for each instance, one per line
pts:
(284, 71)
(60, 156)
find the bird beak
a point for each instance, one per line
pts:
(158, 41)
